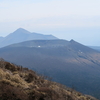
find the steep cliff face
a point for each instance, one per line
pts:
(18, 83)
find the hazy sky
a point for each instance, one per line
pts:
(66, 19)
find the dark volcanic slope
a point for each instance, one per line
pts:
(67, 62)
(21, 35)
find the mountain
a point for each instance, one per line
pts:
(95, 47)
(18, 83)
(66, 62)
(1, 38)
(21, 35)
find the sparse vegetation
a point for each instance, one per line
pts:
(18, 83)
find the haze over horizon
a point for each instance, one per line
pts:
(75, 19)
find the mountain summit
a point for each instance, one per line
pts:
(21, 30)
(21, 35)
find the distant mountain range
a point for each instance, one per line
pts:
(95, 47)
(21, 35)
(67, 62)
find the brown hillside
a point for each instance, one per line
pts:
(17, 83)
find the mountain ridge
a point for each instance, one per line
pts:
(21, 35)
(95, 48)
(79, 65)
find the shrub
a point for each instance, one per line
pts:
(8, 92)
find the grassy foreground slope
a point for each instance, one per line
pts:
(18, 83)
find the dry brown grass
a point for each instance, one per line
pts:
(18, 83)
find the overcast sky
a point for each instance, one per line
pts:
(65, 19)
